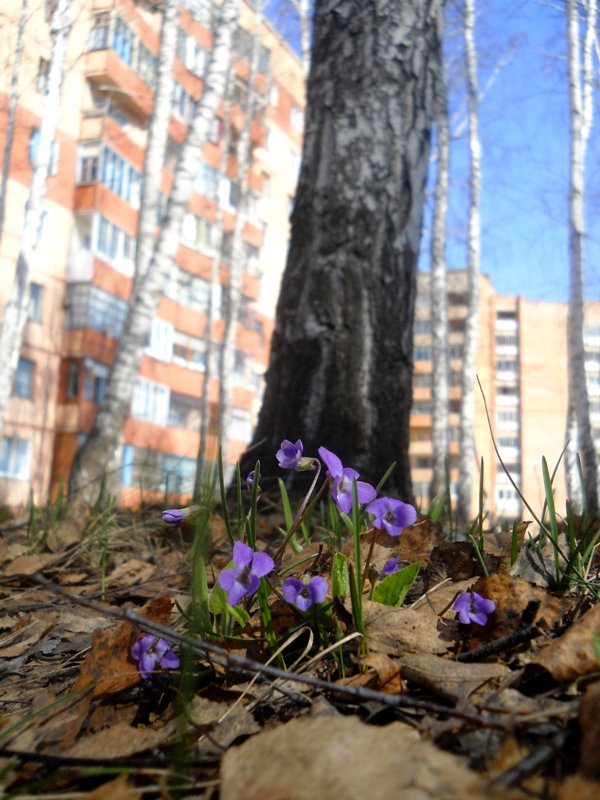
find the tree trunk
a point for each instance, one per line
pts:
(214, 283)
(100, 451)
(340, 371)
(17, 307)
(581, 116)
(439, 297)
(233, 290)
(303, 10)
(12, 113)
(466, 459)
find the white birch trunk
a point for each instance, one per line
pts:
(303, 10)
(233, 290)
(100, 451)
(214, 283)
(16, 309)
(581, 117)
(439, 296)
(467, 416)
(12, 112)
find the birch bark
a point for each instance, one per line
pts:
(340, 371)
(580, 74)
(16, 309)
(439, 296)
(466, 459)
(100, 451)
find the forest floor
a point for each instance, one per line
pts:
(422, 704)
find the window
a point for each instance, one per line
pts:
(15, 457)
(251, 258)
(422, 379)
(242, 42)
(184, 411)
(198, 233)
(506, 340)
(34, 144)
(508, 441)
(215, 130)
(207, 181)
(114, 245)
(191, 53)
(146, 65)
(240, 425)
(36, 293)
(183, 104)
(240, 91)
(41, 81)
(191, 290)
(422, 326)
(120, 177)
(508, 391)
(96, 378)
(229, 194)
(150, 401)
(421, 408)
(506, 315)
(507, 365)
(24, 379)
(422, 462)
(296, 119)
(160, 343)
(189, 351)
(87, 164)
(507, 415)
(456, 325)
(99, 34)
(507, 494)
(458, 298)
(89, 306)
(455, 351)
(150, 469)
(72, 380)
(123, 41)
(422, 353)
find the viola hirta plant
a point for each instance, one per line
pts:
(306, 592)
(151, 652)
(391, 515)
(341, 479)
(249, 566)
(472, 607)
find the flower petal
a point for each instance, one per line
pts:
(290, 589)
(365, 492)
(226, 578)
(237, 592)
(331, 461)
(169, 660)
(242, 554)
(318, 589)
(262, 564)
(303, 602)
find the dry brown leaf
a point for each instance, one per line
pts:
(108, 665)
(117, 789)
(67, 532)
(120, 741)
(130, 573)
(573, 655)
(26, 634)
(378, 671)
(8, 552)
(333, 757)
(397, 631)
(450, 679)
(225, 722)
(27, 565)
(576, 787)
(589, 722)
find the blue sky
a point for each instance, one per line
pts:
(524, 128)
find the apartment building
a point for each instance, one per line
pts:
(522, 366)
(82, 275)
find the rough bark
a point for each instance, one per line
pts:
(12, 112)
(233, 289)
(439, 296)
(16, 309)
(466, 459)
(581, 116)
(340, 371)
(100, 451)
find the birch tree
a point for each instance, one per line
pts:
(16, 309)
(466, 458)
(100, 451)
(340, 370)
(233, 290)
(439, 295)
(303, 10)
(580, 75)
(12, 111)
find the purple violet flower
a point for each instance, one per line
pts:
(391, 515)
(391, 565)
(473, 608)
(289, 454)
(250, 479)
(174, 515)
(244, 579)
(304, 593)
(151, 652)
(341, 482)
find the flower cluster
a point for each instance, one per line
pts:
(152, 652)
(472, 607)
